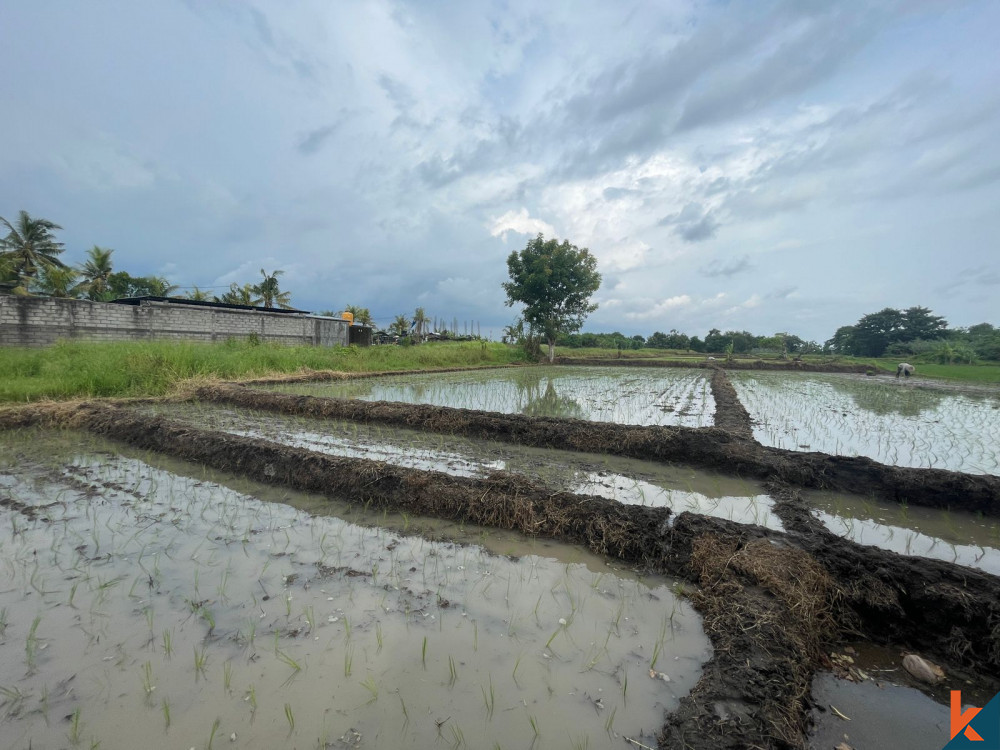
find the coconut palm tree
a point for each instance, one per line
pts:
(400, 326)
(270, 293)
(240, 295)
(160, 287)
(419, 321)
(361, 315)
(198, 295)
(28, 248)
(60, 281)
(97, 271)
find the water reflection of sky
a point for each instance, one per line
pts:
(885, 419)
(674, 396)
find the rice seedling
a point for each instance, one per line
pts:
(372, 688)
(31, 643)
(423, 653)
(200, 660)
(74, 727)
(211, 735)
(165, 709)
(147, 679)
(290, 717)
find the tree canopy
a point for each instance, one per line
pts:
(554, 281)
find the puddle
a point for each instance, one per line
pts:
(148, 602)
(882, 715)
(676, 397)
(954, 536)
(885, 419)
(629, 481)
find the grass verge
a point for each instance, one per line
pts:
(75, 369)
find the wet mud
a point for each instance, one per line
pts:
(730, 413)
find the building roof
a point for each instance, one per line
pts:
(203, 303)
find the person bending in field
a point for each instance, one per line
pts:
(904, 369)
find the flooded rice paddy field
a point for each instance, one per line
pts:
(951, 535)
(674, 396)
(889, 420)
(630, 481)
(147, 602)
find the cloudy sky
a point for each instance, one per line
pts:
(770, 166)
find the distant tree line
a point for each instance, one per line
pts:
(716, 341)
(915, 332)
(30, 264)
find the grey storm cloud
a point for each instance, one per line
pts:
(843, 138)
(692, 223)
(727, 268)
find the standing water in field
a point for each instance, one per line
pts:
(147, 602)
(888, 420)
(951, 535)
(629, 481)
(667, 396)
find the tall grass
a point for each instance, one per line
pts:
(71, 369)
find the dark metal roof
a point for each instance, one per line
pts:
(203, 303)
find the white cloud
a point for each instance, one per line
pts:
(520, 222)
(669, 305)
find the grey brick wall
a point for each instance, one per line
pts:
(40, 321)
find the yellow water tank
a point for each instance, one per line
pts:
(348, 316)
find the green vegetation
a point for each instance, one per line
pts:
(976, 373)
(554, 282)
(139, 368)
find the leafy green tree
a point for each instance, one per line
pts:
(919, 323)
(875, 331)
(657, 341)
(97, 270)
(842, 341)
(29, 247)
(270, 291)
(715, 341)
(554, 282)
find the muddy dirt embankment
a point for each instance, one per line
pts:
(735, 364)
(771, 602)
(707, 447)
(730, 414)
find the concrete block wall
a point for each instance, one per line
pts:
(40, 321)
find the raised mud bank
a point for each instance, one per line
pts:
(736, 364)
(708, 447)
(730, 414)
(319, 376)
(772, 603)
